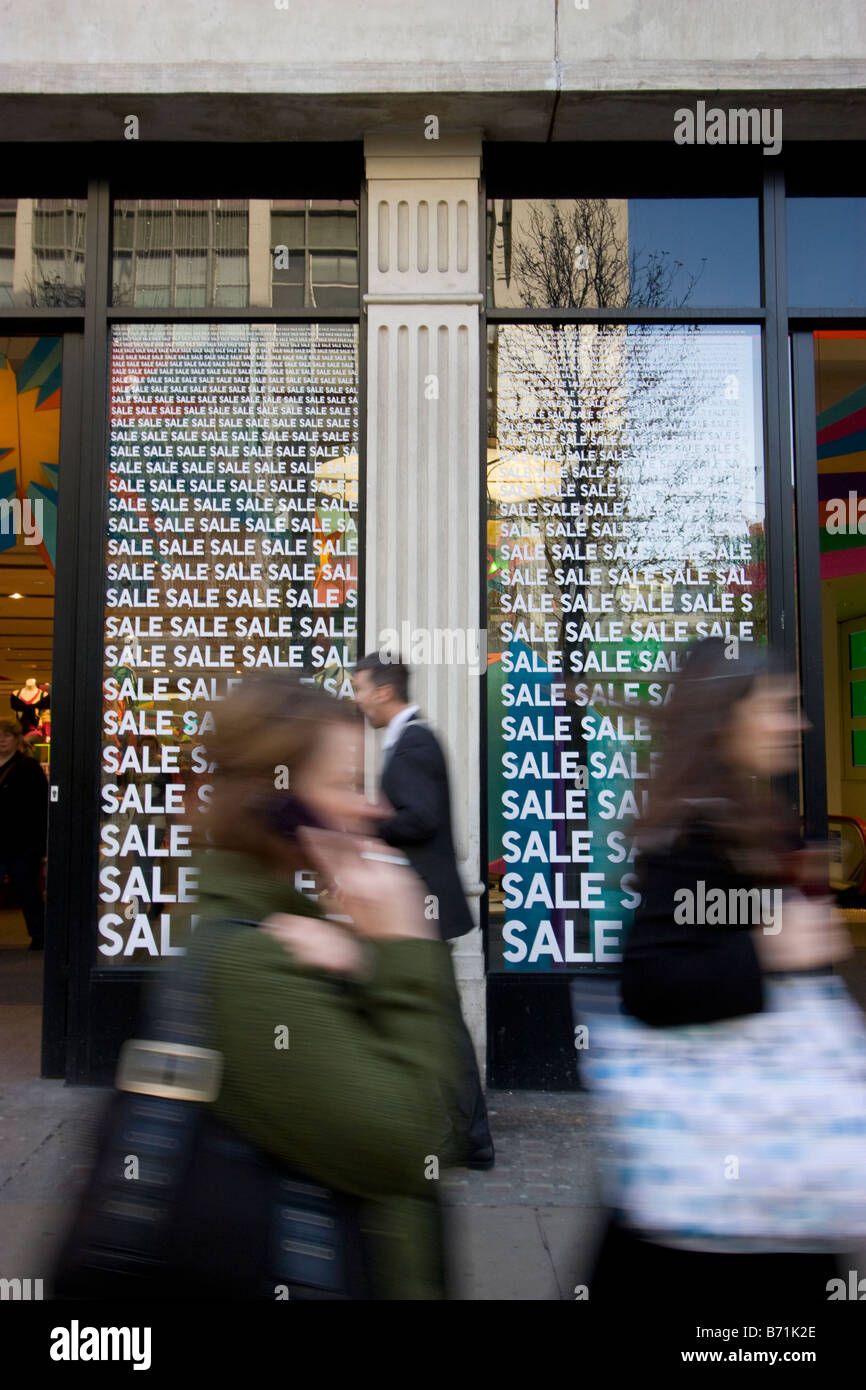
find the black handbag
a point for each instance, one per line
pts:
(180, 1206)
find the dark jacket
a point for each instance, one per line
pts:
(676, 973)
(358, 1099)
(415, 782)
(23, 808)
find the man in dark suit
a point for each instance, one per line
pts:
(415, 785)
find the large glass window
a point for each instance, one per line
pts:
(314, 248)
(827, 252)
(625, 519)
(42, 247)
(187, 253)
(584, 253)
(232, 547)
(180, 252)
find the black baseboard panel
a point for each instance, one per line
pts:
(530, 1034)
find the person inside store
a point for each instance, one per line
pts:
(415, 788)
(23, 826)
(713, 832)
(357, 1099)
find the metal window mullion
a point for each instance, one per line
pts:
(308, 257)
(809, 615)
(92, 493)
(210, 252)
(779, 531)
(172, 242)
(63, 872)
(483, 714)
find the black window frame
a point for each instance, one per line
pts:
(88, 1010)
(559, 170)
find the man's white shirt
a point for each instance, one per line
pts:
(396, 725)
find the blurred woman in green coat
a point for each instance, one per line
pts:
(355, 1093)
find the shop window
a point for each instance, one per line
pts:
(827, 252)
(30, 392)
(180, 253)
(232, 253)
(314, 250)
(625, 519)
(232, 548)
(587, 253)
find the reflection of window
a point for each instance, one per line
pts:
(50, 236)
(181, 253)
(314, 252)
(7, 249)
(58, 251)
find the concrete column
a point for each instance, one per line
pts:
(24, 259)
(423, 523)
(260, 251)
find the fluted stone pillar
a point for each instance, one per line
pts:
(423, 523)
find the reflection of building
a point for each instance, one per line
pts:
(342, 173)
(42, 251)
(288, 253)
(185, 252)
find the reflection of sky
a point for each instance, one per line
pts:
(724, 230)
(685, 413)
(685, 492)
(827, 251)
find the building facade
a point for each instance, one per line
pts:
(527, 340)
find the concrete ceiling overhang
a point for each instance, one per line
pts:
(564, 115)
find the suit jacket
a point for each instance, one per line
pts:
(415, 782)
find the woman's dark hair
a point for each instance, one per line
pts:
(695, 776)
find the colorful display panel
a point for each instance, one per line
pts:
(232, 548)
(625, 519)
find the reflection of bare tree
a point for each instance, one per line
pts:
(579, 258)
(54, 293)
(637, 399)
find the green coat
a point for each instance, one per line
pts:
(359, 1098)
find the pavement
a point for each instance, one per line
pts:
(523, 1231)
